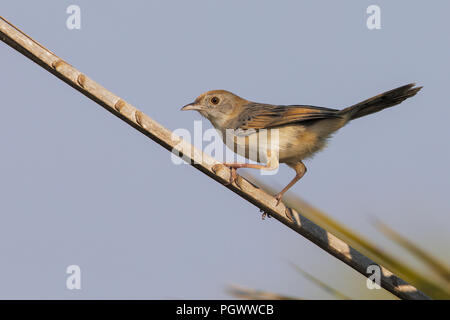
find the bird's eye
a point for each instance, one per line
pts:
(214, 100)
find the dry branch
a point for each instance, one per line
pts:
(114, 104)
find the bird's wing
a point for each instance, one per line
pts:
(262, 116)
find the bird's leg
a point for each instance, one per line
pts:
(300, 171)
(235, 166)
(272, 164)
(264, 214)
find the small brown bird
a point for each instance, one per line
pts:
(294, 132)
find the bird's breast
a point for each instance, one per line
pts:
(291, 143)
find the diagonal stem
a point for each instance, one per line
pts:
(146, 125)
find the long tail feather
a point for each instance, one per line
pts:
(381, 101)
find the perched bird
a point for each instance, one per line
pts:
(294, 132)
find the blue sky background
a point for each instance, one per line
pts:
(78, 186)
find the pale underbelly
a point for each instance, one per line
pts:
(288, 144)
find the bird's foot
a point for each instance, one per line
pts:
(216, 167)
(278, 197)
(233, 174)
(265, 214)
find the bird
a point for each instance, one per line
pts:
(293, 132)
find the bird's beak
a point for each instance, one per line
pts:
(191, 106)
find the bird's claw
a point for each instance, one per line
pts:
(233, 175)
(278, 197)
(216, 167)
(264, 214)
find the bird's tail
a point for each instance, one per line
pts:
(381, 101)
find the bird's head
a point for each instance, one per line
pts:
(218, 106)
